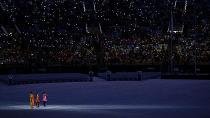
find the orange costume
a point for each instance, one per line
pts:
(31, 100)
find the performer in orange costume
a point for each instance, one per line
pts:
(31, 97)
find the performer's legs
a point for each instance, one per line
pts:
(44, 103)
(31, 105)
(37, 104)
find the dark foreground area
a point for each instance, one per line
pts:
(152, 98)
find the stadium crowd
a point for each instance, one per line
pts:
(75, 32)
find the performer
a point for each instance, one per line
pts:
(44, 98)
(37, 100)
(31, 97)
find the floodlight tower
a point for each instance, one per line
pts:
(171, 31)
(94, 29)
(176, 27)
(194, 39)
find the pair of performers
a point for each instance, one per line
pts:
(35, 99)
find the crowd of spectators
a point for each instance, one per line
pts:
(78, 32)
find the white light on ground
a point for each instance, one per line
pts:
(92, 107)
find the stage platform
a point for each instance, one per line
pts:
(152, 98)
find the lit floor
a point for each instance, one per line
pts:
(153, 98)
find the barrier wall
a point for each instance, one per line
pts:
(44, 78)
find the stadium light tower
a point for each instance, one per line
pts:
(194, 38)
(171, 31)
(176, 26)
(94, 29)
